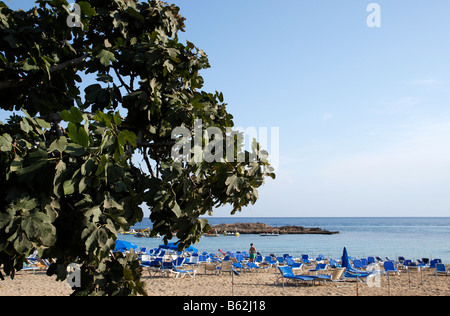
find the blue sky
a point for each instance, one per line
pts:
(363, 112)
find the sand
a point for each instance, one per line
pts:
(249, 284)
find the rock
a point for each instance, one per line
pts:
(259, 228)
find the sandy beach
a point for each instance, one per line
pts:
(249, 284)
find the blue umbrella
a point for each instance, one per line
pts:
(191, 249)
(170, 246)
(122, 245)
(345, 261)
(174, 246)
(350, 269)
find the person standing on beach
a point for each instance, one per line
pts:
(252, 253)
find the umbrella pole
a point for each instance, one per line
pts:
(409, 274)
(357, 281)
(232, 281)
(389, 284)
(421, 276)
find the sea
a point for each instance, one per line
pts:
(391, 237)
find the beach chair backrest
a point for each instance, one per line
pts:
(227, 266)
(440, 267)
(337, 274)
(321, 266)
(389, 266)
(179, 262)
(357, 263)
(210, 267)
(155, 263)
(167, 264)
(146, 258)
(286, 271)
(193, 260)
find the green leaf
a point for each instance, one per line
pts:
(88, 167)
(176, 209)
(136, 14)
(92, 241)
(28, 67)
(76, 116)
(106, 57)
(24, 126)
(82, 185)
(78, 135)
(5, 143)
(42, 123)
(16, 164)
(69, 187)
(86, 9)
(75, 150)
(72, 132)
(36, 224)
(59, 177)
(234, 183)
(83, 137)
(65, 115)
(95, 213)
(59, 145)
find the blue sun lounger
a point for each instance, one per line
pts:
(294, 265)
(441, 269)
(390, 267)
(319, 267)
(286, 273)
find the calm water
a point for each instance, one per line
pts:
(385, 237)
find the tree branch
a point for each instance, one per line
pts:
(147, 162)
(69, 63)
(22, 82)
(121, 81)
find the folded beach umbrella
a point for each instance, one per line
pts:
(122, 245)
(345, 261)
(355, 272)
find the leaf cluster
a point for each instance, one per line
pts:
(69, 177)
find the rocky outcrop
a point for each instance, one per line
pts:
(259, 228)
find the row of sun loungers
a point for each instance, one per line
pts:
(307, 270)
(324, 269)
